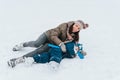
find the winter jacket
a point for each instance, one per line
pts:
(59, 34)
(55, 54)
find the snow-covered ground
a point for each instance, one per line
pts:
(25, 20)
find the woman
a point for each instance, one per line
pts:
(65, 32)
(68, 31)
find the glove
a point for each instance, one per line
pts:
(63, 47)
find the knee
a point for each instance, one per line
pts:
(55, 55)
(41, 58)
(36, 45)
(56, 59)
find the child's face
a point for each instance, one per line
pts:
(76, 49)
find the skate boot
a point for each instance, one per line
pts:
(13, 62)
(18, 47)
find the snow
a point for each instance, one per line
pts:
(25, 20)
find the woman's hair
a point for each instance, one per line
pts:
(76, 37)
(71, 28)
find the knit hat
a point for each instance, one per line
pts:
(82, 24)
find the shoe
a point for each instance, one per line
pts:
(29, 61)
(83, 52)
(13, 62)
(18, 47)
(54, 65)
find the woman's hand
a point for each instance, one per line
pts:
(69, 37)
(63, 47)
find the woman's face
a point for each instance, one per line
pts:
(76, 28)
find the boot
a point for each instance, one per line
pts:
(18, 47)
(13, 62)
(54, 65)
(83, 52)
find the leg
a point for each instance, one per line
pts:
(55, 58)
(39, 50)
(39, 42)
(13, 62)
(55, 54)
(42, 39)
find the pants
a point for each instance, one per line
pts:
(42, 39)
(54, 54)
(39, 50)
(40, 44)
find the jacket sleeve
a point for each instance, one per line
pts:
(56, 32)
